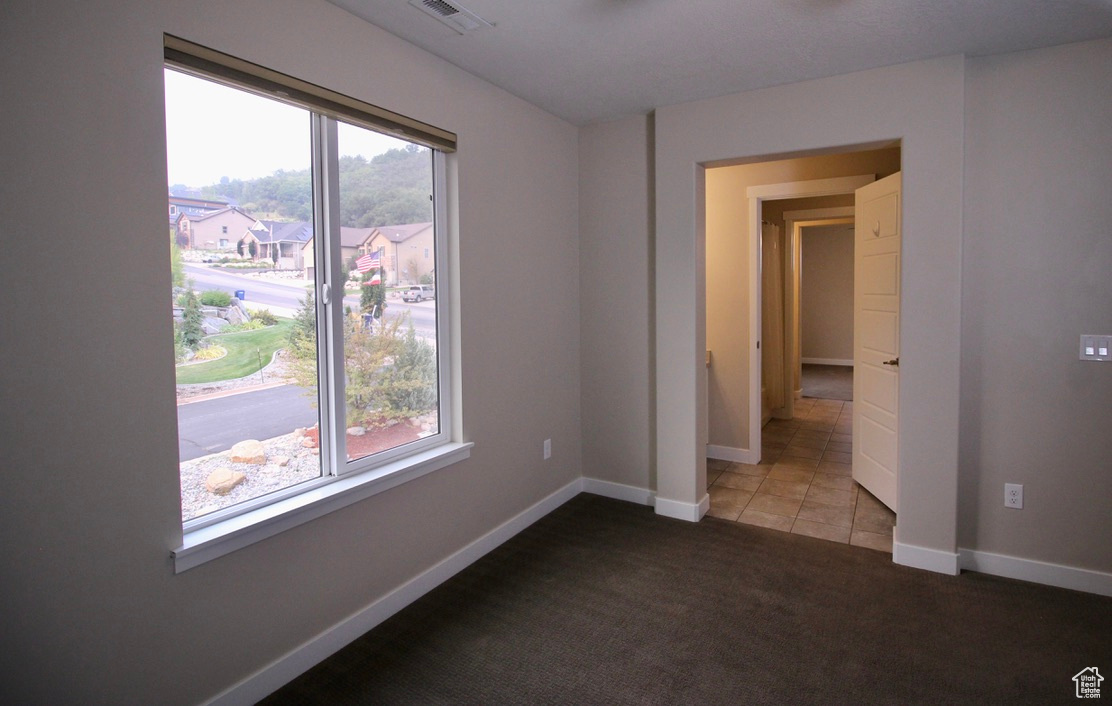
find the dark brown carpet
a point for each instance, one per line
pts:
(827, 382)
(603, 602)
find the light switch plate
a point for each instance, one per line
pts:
(1094, 347)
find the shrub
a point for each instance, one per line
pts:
(215, 297)
(372, 300)
(264, 317)
(179, 347)
(210, 353)
(409, 385)
(252, 325)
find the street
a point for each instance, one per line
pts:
(262, 414)
(289, 296)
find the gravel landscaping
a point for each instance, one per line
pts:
(287, 462)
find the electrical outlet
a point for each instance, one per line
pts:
(1013, 495)
(547, 449)
(1096, 347)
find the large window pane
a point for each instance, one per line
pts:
(308, 317)
(245, 321)
(388, 245)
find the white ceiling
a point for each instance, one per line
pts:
(593, 60)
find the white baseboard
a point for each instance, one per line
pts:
(827, 361)
(1012, 567)
(729, 453)
(692, 512)
(618, 491)
(275, 675)
(922, 558)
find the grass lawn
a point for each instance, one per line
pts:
(244, 350)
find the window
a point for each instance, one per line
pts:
(224, 230)
(312, 383)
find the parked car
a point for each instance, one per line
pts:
(419, 292)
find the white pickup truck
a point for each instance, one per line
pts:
(418, 292)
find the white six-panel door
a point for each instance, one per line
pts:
(876, 337)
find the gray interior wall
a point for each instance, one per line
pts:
(1037, 273)
(826, 293)
(615, 283)
(920, 103)
(92, 610)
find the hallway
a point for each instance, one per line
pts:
(803, 484)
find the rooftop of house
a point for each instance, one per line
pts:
(354, 237)
(401, 233)
(266, 231)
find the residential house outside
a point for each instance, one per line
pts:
(407, 249)
(181, 206)
(354, 242)
(287, 239)
(217, 230)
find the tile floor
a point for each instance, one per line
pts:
(803, 483)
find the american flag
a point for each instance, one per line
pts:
(368, 263)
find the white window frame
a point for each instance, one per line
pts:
(341, 482)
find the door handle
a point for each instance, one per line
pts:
(895, 362)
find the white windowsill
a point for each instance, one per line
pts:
(215, 540)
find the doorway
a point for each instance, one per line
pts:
(820, 320)
(798, 474)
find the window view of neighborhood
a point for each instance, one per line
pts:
(254, 420)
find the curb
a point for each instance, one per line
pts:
(230, 393)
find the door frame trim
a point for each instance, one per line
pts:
(794, 223)
(757, 194)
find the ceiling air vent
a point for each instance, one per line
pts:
(451, 14)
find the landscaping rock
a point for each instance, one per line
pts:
(223, 480)
(212, 324)
(282, 461)
(309, 442)
(234, 315)
(250, 451)
(356, 431)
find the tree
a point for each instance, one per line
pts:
(274, 254)
(177, 266)
(387, 189)
(191, 331)
(372, 300)
(253, 248)
(367, 353)
(409, 384)
(239, 248)
(303, 334)
(414, 270)
(301, 345)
